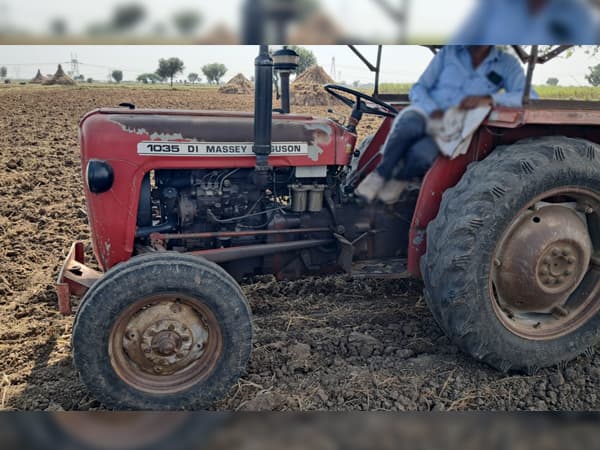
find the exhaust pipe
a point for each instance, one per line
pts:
(263, 104)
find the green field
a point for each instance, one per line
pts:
(554, 92)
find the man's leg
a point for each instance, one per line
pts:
(406, 130)
(417, 161)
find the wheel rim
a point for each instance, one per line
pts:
(545, 272)
(166, 343)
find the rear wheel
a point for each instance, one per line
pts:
(162, 331)
(512, 272)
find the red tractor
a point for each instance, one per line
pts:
(181, 204)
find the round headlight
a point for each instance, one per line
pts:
(99, 175)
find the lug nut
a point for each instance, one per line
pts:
(556, 251)
(158, 369)
(544, 272)
(571, 260)
(568, 273)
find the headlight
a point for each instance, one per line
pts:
(99, 176)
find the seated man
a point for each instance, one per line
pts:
(458, 76)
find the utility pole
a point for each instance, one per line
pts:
(74, 72)
(332, 70)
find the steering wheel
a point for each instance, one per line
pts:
(360, 106)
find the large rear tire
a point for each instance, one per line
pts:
(162, 331)
(510, 270)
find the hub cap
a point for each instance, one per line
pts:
(543, 281)
(165, 344)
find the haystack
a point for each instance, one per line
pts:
(307, 89)
(39, 78)
(60, 77)
(237, 85)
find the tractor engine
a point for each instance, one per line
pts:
(196, 210)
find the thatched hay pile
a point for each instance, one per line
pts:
(318, 28)
(60, 77)
(39, 78)
(237, 85)
(307, 89)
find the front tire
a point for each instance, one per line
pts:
(162, 331)
(510, 273)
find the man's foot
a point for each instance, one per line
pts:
(370, 186)
(391, 191)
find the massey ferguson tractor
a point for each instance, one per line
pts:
(181, 204)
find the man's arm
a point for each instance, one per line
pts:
(514, 83)
(419, 93)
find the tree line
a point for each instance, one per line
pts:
(169, 68)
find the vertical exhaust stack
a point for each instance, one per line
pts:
(263, 104)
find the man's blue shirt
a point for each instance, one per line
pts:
(511, 22)
(450, 77)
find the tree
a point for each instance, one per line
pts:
(3, 72)
(117, 75)
(168, 68)
(193, 77)
(552, 81)
(307, 58)
(127, 16)
(594, 76)
(58, 26)
(187, 21)
(79, 78)
(148, 78)
(214, 72)
(90, 80)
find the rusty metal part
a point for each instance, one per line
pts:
(165, 343)
(119, 430)
(225, 234)
(542, 260)
(221, 255)
(543, 282)
(74, 278)
(389, 269)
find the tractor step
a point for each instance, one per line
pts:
(393, 268)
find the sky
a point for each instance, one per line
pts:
(401, 64)
(362, 17)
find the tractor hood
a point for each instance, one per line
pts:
(325, 141)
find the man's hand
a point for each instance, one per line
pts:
(437, 114)
(475, 101)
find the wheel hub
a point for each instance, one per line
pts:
(543, 259)
(165, 338)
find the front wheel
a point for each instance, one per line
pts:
(162, 331)
(512, 272)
